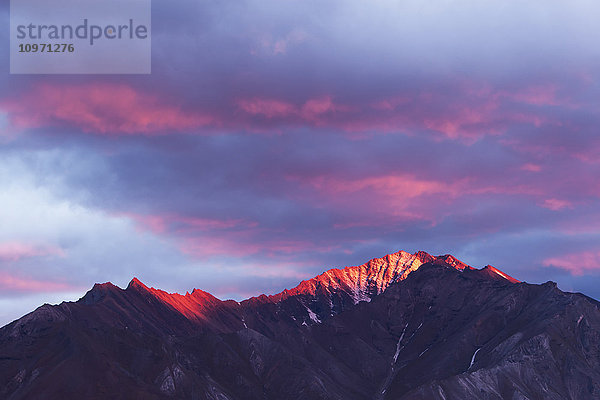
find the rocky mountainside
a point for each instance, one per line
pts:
(406, 326)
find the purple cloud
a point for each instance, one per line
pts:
(275, 140)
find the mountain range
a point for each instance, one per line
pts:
(405, 326)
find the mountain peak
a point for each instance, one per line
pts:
(362, 282)
(191, 305)
(494, 272)
(453, 261)
(136, 283)
(104, 286)
(98, 292)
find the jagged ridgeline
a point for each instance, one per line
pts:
(405, 326)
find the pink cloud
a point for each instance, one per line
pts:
(204, 237)
(314, 110)
(539, 95)
(556, 204)
(173, 223)
(392, 103)
(245, 243)
(469, 120)
(269, 108)
(15, 251)
(577, 263)
(531, 167)
(397, 188)
(390, 198)
(17, 284)
(472, 111)
(100, 108)
(391, 185)
(154, 223)
(483, 110)
(400, 199)
(208, 246)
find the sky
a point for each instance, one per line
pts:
(276, 139)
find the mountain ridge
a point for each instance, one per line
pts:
(442, 330)
(374, 276)
(340, 288)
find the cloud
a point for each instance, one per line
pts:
(10, 283)
(467, 112)
(267, 108)
(174, 223)
(556, 204)
(576, 263)
(392, 196)
(255, 156)
(280, 45)
(102, 108)
(14, 251)
(48, 238)
(531, 167)
(283, 68)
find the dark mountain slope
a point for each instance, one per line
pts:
(400, 327)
